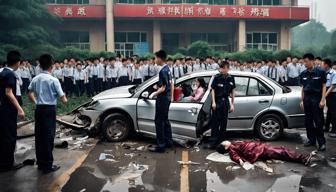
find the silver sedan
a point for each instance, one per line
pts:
(261, 105)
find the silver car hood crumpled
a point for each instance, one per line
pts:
(118, 92)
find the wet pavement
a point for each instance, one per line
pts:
(127, 166)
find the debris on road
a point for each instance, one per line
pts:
(263, 166)
(313, 165)
(61, 144)
(331, 185)
(22, 148)
(131, 155)
(188, 163)
(132, 172)
(106, 157)
(247, 166)
(219, 158)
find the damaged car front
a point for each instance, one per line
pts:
(89, 115)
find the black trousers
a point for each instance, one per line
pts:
(331, 104)
(94, 83)
(8, 120)
(162, 124)
(69, 86)
(79, 87)
(99, 85)
(293, 81)
(90, 88)
(137, 81)
(219, 120)
(147, 77)
(45, 125)
(25, 85)
(123, 80)
(314, 119)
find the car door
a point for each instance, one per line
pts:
(182, 115)
(252, 97)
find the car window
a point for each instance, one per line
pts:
(186, 92)
(256, 88)
(241, 86)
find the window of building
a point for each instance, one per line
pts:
(135, 1)
(264, 2)
(78, 39)
(130, 43)
(209, 2)
(219, 41)
(262, 40)
(170, 42)
(67, 1)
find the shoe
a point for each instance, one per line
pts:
(156, 149)
(309, 158)
(332, 135)
(322, 147)
(309, 144)
(52, 169)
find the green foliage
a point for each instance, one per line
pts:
(200, 49)
(312, 35)
(61, 109)
(26, 24)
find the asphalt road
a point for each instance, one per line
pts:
(127, 166)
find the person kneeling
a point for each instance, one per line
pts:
(251, 151)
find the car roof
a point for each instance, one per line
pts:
(214, 72)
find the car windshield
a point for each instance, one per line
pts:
(138, 87)
(285, 89)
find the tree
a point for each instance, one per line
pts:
(26, 24)
(200, 49)
(312, 35)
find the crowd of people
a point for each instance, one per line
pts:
(93, 75)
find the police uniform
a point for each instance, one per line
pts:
(46, 88)
(331, 99)
(223, 87)
(8, 119)
(162, 124)
(312, 84)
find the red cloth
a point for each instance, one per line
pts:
(252, 151)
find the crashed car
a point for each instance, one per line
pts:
(261, 105)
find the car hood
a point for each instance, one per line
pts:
(118, 92)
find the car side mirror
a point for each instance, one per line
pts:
(145, 95)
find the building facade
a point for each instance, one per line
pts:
(132, 27)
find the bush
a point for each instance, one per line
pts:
(200, 49)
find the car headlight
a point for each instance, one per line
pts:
(93, 104)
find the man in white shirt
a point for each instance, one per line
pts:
(137, 77)
(124, 76)
(111, 74)
(79, 78)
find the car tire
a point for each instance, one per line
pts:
(116, 127)
(269, 127)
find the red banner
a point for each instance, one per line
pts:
(182, 11)
(213, 11)
(78, 11)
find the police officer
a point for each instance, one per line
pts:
(164, 94)
(9, 110)
(46, 88)
(331, 94)
(313, 82)
(222, 87)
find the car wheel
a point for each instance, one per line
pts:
(269, 127)
(116, 127)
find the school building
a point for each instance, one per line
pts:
(139, 26)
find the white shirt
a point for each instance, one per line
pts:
(111, 72)
(79, 75)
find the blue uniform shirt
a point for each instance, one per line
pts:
(331, 79)
(312, 81)
(165, 79)
(46, 88)
(223, 85)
